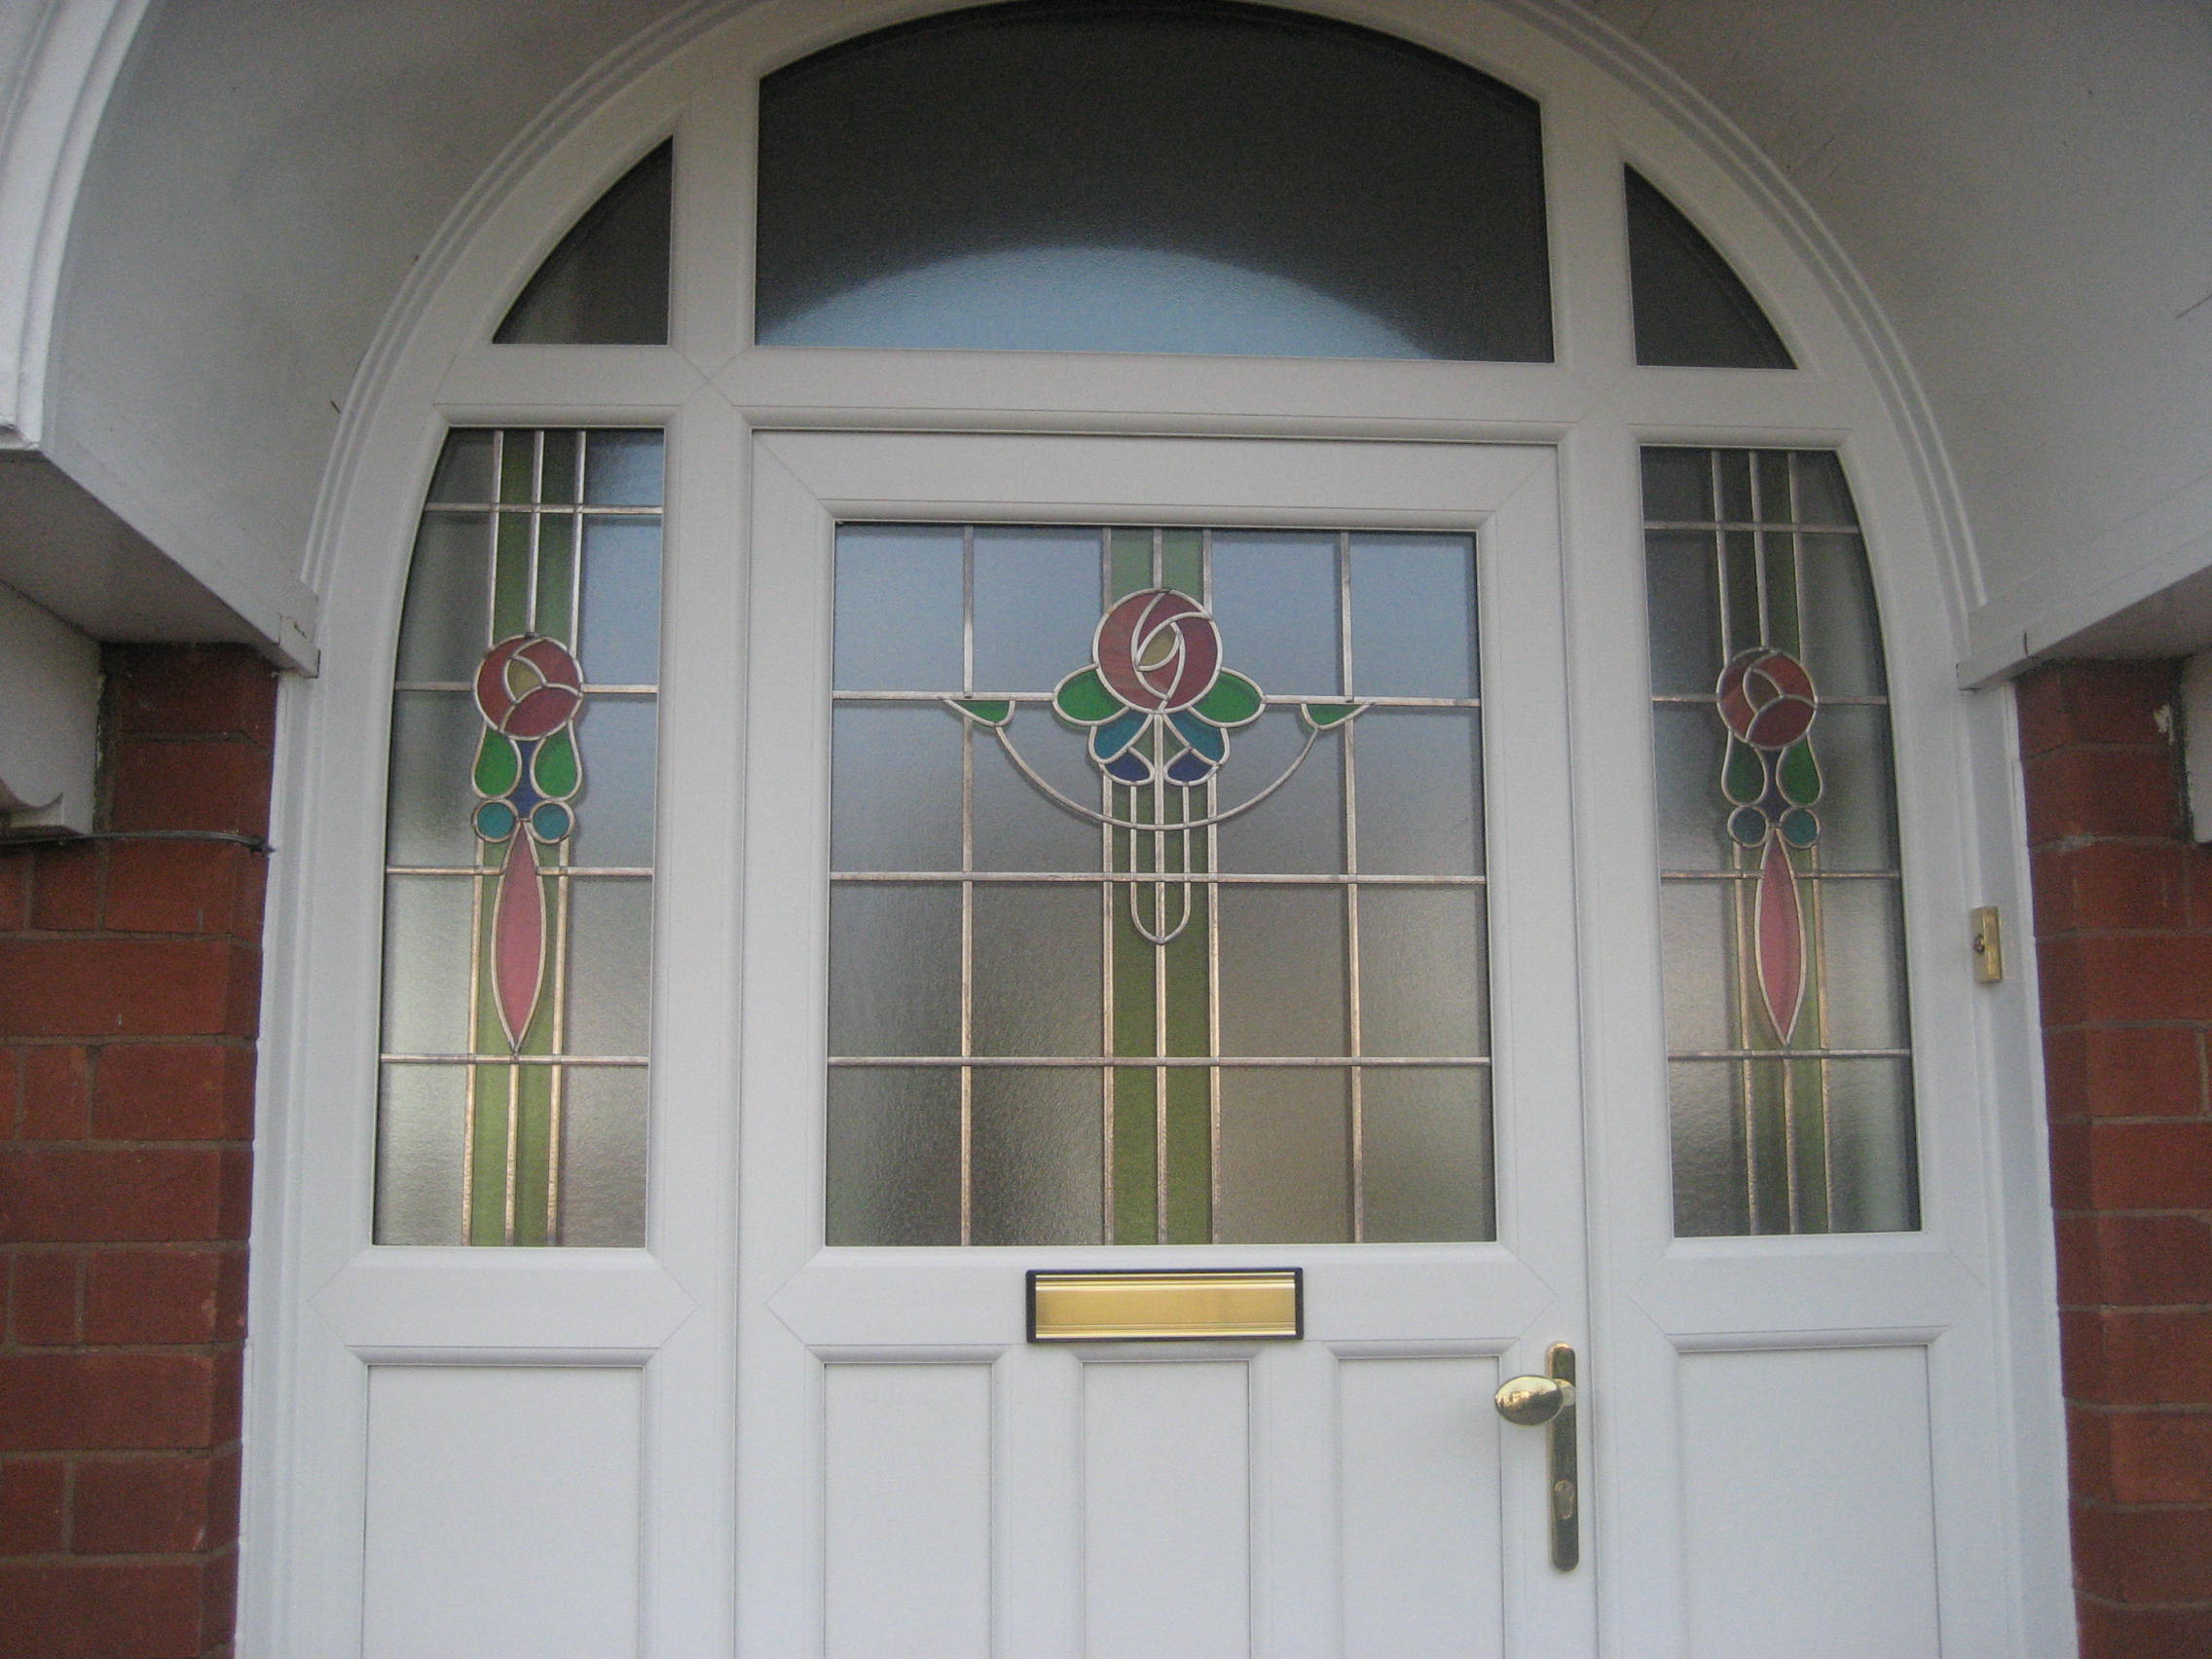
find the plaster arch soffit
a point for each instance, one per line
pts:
(1597, 86)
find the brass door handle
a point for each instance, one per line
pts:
(1548, 1403)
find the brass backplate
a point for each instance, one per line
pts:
(1242, 1305)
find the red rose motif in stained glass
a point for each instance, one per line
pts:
(1157, 650)
(529, 687)
(1766, 698)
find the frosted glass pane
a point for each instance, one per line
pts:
(899, 608)
(622, 468)
(1037, 1157)
(422, 1118)
(1692, 310)
(1036, 605)
(1689, 741)
(1017, 827)
(894, 1154)
(463, 471)
(1843, 645)
(615, 810)
(1424, 978)
(610, 956)
(895, 787)
(1709, 1196)
(1282, 971)
(1274, 595)
(1684, 591)
(1862, 944)
(1427, 1162)
(1150, 179)
(434, 736)
(1874, 1146)
(1285, 1159)
(1412, 616)
(449, 598)
(1298, 829)
(425, 965)
(620, 641)
(1698, 965)
(1858, 819)
(1419, 791)
(894, 969)
(607, 281)
(1037, 970)
(603, 1155)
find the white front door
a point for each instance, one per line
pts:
(915, 1477)
(795, 1427)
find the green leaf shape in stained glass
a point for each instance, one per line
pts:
(1800, 774)
(984, 711)
(1231, 701)
(1082, 699)
(556, 769)
(1322, 715)
(1742, 774)
(499, 764)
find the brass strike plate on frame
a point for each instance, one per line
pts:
(1239, 1304)
(1988, 946)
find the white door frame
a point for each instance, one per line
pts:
(327, 1306)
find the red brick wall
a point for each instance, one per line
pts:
(129, 976)
(2124, 937)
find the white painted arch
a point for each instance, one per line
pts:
(427, 365)
(2021, 188)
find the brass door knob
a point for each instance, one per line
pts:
(1534, 1401)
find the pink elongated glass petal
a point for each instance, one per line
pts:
(1781, 940)
(518, 940)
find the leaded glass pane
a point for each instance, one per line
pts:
(519, 846)
(1123, 936)
(1780, 903)
(1153, 176)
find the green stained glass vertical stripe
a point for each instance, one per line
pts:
(510, 577)
(556, 578)
(508, 1150)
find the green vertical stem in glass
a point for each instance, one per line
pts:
(534, 1154)
(1128, 563)
(557, 484)
(556, 578)
(1785, 626)
(1190, 1101)
(488, 1159)
(1134, 1220)
(1182, 562)
(1770, 1145)
(1809, 1092)
(1740, 590)
(517, 466)
(510, 576)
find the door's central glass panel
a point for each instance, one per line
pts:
(1157, 906)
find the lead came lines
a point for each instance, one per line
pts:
(1149, 835)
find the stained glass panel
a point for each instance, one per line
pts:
(519, 846)
(1104, 954)
(1781, 910)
